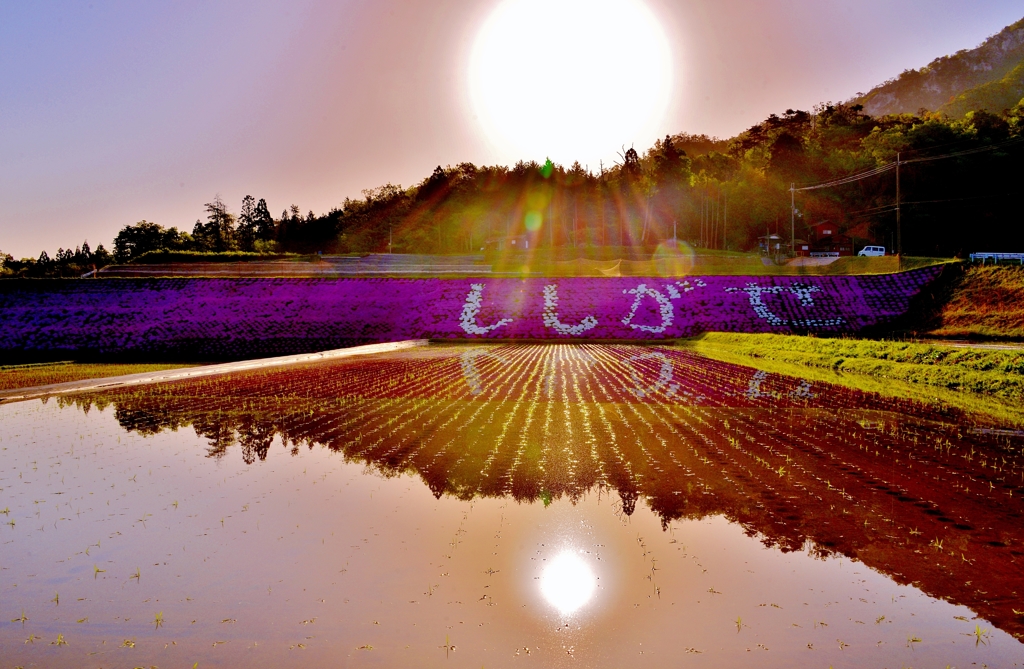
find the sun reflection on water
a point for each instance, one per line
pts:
(568, 583)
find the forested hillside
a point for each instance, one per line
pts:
(998, 94)
(958, 189)
(959, 192)
(990, 77)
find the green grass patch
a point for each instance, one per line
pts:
(999, 411)
(705, 264)
(44, 374)
(995, 373)
(561, 262)
(164, 256)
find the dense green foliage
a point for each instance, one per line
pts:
(999, 94)
(66, 263)
(958, 187)
(715, 200)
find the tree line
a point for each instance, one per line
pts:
(65, 263)
(713, 194)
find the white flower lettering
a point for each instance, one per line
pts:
(804, 391)
(472, 308)
(754, 389)
(469, 368)
(664, 304)
(803, 293)
(551, 315)
(687, 287)
(664, 381)
(664, 307)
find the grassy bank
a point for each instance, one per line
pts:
(27, 376)
(703, 263)
(1000, 412)
(984, 302)
(186, 257)
(560, 262)
(994, 373)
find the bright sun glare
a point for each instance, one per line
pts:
(569, 79)
(567, 583)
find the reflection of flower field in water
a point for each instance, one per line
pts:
(929, 498)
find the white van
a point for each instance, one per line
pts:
(872, 251)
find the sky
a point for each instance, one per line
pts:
(114, 112)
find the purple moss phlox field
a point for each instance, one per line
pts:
(251, 317)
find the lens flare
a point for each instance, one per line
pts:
(533, 220)
(674, 258)
(568, 583)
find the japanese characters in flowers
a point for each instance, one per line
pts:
(239, 318)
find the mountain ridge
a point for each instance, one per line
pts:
(990, 76)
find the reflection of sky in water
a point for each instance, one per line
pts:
(659, 474)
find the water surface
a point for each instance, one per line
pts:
(508, 505)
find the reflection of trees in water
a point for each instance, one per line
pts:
(255, 439)
(627, 500)
(795, 464)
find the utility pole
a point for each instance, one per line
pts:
(391, 240)
(899, 231)
(574, 219)
(792, 217)
(704, 214)
(716, 209)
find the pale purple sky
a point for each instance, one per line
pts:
(113, 112)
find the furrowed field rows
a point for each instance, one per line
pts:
(925, 494)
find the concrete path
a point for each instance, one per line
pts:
(148, 378)
(966, 343)
(811, 262)
(374, 264)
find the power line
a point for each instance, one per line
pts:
(850, 179)
(934, 147)
(968, 152)
(891, 207)
(890, 166)
(867, 174)
(962, 199)
(871, 209)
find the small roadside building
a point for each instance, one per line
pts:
(770, 245)
(507, 244)
(861, 235)
(826, 239)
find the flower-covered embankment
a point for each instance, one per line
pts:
(239, 318)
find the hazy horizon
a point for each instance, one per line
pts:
(115, 112)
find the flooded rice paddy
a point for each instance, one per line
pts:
(507, 506)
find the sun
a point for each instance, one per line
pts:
(569, 79)
(568, 583)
